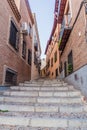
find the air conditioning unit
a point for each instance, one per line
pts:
(38, 54)
(30, 30)
(25, 28)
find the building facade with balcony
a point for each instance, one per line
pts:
(52, 52)
(36, 49)
(72, 16)
(16, 23)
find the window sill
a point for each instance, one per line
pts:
(12, 49)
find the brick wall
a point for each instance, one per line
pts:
(53, 47)
(8, 56)
(77, 42)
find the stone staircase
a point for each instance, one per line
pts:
(42, 105)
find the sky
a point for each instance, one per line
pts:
(44, 10)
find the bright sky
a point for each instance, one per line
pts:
(44, 10)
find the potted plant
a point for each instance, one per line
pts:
(70, 68)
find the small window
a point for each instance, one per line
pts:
(29, 57)
(44, 71)
(24, 50)
(65, 68)
(56, 72)
(60, 67)
(35, 59)
(52, 73)
(13, 38)
(51, 62)
(48, 63)
(55, 56)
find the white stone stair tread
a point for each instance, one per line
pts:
(43, 122)
(43, 94)
(43, 88)
(5, 127)
(44, 108)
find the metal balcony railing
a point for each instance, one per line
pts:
(64, 34)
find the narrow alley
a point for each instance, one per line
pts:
(43, 65)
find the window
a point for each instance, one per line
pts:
(44, 71)
(29, 57)
(51, 62)
(36, 46)
(13, 38)
(60, 67)
(24, 50)
(55, 56)
(35, 59)
(65, 68)
(70, 63)
(10, 77)
(56, 72)
(52, 73)
(48, 63)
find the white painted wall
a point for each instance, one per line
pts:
(43, 63)
(61, 76)
(81, 82)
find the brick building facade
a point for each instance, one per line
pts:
(52, 52)
(73, 43)
(16, 22)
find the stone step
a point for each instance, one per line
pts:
(42, 104)
(56, 115)
(67, 100)
(7, 127)
(42, 94)
(44, 84)
(43, 122)
(43, 100)
(15, 99)
(44, 108)
(42, 88)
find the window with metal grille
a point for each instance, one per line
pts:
(55, 56)
(24, 50)
(10, 77)
(35, 59)
(29, 56)
(70, 63)
(14, 36)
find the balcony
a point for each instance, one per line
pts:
(61, 8)
(64, 35)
